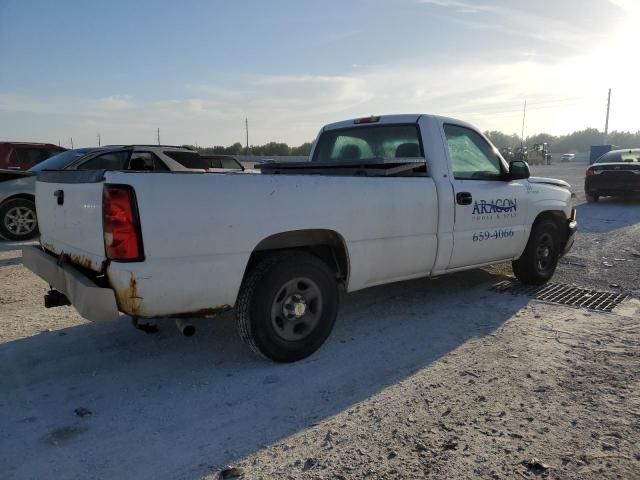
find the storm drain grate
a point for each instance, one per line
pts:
(564, 295)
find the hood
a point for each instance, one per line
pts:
(13, 174)
(550, 181)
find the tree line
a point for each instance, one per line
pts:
(266, 150)
(576, 142)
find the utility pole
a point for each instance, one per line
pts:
(246, 127)
(158, 135)
(99, 139)
(524, 114)
(606, 123)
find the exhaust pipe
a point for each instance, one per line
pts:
(186, 328)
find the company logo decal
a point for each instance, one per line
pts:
(490, 209)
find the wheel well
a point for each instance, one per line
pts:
(24, 196)
(327, 245)
(556, 216)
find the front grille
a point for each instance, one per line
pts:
(564, 295)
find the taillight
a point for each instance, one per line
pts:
(589, 172)
(121, 225)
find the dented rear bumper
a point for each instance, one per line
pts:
(90, 300)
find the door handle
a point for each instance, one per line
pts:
(464, 198)
(59, 194)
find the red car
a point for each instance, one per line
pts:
(23, 155)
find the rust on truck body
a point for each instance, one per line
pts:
(131, 302)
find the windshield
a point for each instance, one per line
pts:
(59, 161)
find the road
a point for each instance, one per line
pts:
(434, 377)
(609, 234)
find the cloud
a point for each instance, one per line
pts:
(460, 6)
(114, 102)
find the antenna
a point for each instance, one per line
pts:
(606, 123)
(524, 114)
(158, 135)
(99, 144)
(71, 143)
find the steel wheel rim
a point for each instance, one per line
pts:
(296, 309)
(20, 220)
(544, 252)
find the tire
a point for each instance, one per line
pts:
(593, 198)
(18, 220)
(287, 306)
(540, 258)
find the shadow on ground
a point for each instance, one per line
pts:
(164, 406)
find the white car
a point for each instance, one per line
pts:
(382, 199)
(568, 157)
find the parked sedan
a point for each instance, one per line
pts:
(616, 173)
(18, 219)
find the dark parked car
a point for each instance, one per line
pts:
(616, 173)
(17, 189)
(23, 155)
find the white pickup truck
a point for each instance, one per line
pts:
(382, 199)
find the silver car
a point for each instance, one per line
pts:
(18, 219)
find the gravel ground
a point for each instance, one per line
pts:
(418, 379)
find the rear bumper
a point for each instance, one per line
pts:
(612, 185)
(572, 228)
(91, 301)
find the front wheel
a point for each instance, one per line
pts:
(287, 306)
(18, 220)
(540, 258)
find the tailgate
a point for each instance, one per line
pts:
(69, 208)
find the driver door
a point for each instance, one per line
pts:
(489, 208)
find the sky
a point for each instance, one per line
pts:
(196, 69)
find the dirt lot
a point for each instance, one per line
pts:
(440, 378)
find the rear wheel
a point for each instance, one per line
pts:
(287, 306)
(18, 220)
(540, 258)
(592, 197)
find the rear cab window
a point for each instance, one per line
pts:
(369, 142)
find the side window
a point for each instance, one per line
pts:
(231, 164)
(27, 156)
(106, 161)
(472, 158)
(146, 161)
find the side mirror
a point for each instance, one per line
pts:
(518, 169)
